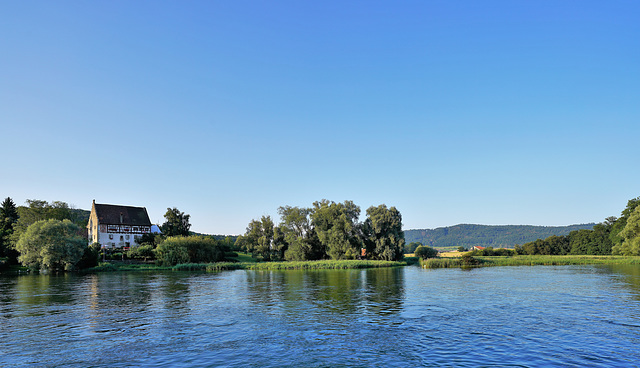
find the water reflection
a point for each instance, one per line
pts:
(528, 316)
(379, 291)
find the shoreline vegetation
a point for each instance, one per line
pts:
(468, 261)
(327, 235)
(265, 266)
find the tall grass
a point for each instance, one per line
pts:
(303, 265)
(537, 260)
(441, 262)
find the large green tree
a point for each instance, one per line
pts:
(8, 218)
(631, 235)
(176, 224)
(299, 234)
(337, 227)
(259, 238)
(383, 228)
(52, 245)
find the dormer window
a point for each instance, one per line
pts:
(121, 217)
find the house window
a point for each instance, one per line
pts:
(121, 238)
(110, 236)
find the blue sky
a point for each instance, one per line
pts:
(487, 112)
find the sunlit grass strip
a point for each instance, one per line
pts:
(441, 262)
(537, 260)
(541, 260)
(304, 265)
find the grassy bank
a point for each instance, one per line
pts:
(538, 260)
(305, 265)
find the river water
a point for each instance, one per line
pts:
(405, 317)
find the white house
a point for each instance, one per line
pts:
(115, 226)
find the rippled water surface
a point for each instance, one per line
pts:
(404, 317)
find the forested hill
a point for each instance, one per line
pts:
(497, 236)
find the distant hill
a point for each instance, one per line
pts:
(497, 236)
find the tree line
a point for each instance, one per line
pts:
(51, 236)
(615, 235)
(327, 230)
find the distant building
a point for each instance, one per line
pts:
(115, 226)
(477, 247)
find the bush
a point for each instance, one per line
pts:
(143, 252)
(90, 257)
(490, 252)
(189, 249)
(425, 252)
(469, 261)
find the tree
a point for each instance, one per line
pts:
(299, 234)
(411, 247)
(8, 218)
(52, 245)
(425, 252)
(259, 237)
(384, 229)
(337, 228)
(631, 235)
(176, 224)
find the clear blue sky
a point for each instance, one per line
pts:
(488, 112)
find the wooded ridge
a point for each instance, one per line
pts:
(497, 236)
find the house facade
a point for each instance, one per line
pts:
(116, 226)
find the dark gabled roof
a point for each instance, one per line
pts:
(110, 214)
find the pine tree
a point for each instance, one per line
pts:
(8, 217)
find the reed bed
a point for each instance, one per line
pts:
(304, 265)
(537, 260)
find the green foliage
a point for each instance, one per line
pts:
(259, 238)
(38, 210)
(538, 260)
(504, 236)
(192, 249)
(143, 252)
(149, 239)
(299, 234)
(631, 235)
(336, 226)
(425, 252)
(90, 256)
(411, 247)
(52, 245)
(441, 262)
(8, 217)
(490, 252)
(176, 224)
(383, 228)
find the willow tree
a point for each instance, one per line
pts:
(299, 235)
(337, 227)
(51, 245)
(383, 233)
(258, 239)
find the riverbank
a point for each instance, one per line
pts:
(538, 260)
(221, 266)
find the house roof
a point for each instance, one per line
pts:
(110, 214)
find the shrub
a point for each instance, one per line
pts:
(189, 249)
(90, 257)
(425, 252)
(143, 252)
